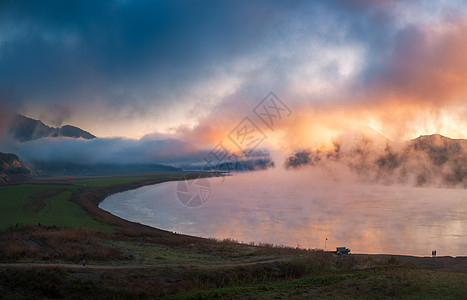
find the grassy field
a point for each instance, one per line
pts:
(18, 205)
(388, 283)
(48, 203)
(103, 182)
(130, 260)
(55, 210)
(300, 278)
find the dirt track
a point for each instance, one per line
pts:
(119, 267)
(446, 263)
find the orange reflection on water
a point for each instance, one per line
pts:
(304, 208)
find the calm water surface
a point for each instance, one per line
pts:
(298, 208)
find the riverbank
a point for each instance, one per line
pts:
(131, 260)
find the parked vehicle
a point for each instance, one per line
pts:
(342, 250)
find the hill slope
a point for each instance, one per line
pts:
(12, 169)
(26, 129)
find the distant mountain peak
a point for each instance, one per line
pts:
(437, 141)
(428, 160)
(434, 136)
(25, 129)
(75, 132)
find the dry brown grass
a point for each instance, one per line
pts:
(52, 243)
(16, 249)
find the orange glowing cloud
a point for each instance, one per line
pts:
(427, 65)
(422, 87)
(418, 87)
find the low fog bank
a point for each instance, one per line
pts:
(102, 156)
(68, 155)
(69, 150)
(433, 160)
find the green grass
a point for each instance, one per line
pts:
(397, 283)
(57, 211)
(264, 291)
(110, 181)
(152, 253)
(16, 206)
(104, 182)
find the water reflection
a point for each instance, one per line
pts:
(303, 208)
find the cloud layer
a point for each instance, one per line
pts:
(192, 71)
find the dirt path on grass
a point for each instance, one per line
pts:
(457, 264)
(120, 267)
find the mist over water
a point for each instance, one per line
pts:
(304, 207)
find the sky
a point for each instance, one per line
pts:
(190, 71)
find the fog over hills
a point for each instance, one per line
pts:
(26, 129)
(57, 151)
(12, 169)
(429, 160)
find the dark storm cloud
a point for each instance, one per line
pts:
(54, 50)
(155, 51)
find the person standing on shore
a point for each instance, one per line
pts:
(84, 263)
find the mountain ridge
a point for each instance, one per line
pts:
(26, 129)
